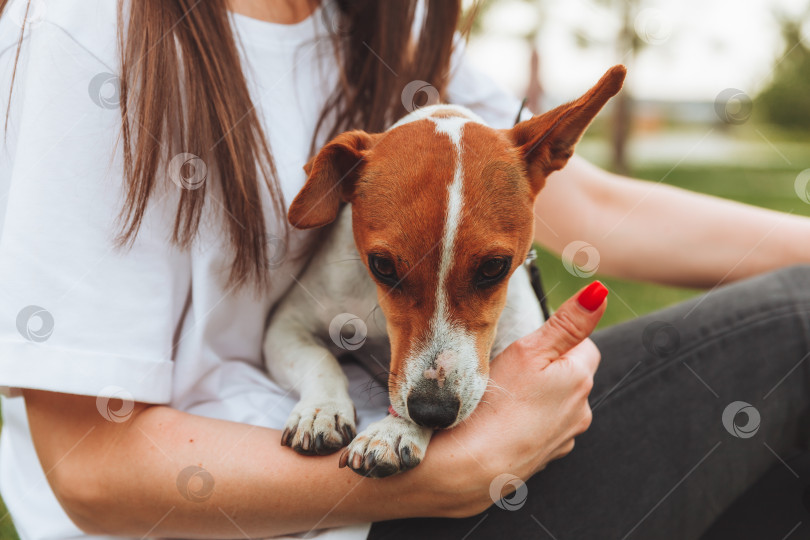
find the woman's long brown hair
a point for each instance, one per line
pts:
(182, 87)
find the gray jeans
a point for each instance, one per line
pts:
(692, 404)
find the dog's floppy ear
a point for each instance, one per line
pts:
(331, 176)
(546, 141)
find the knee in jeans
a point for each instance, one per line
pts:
(797, 278)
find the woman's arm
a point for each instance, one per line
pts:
(124, 478)
(655, 232)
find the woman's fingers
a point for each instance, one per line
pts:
(587, 354)
(570, 325)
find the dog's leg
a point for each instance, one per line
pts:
(521, 315)
(387, 447)
(323, 421)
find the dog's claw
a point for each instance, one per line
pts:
(348, 433)
(319, 429)
(406, 457)
(370, 462)
(357, 461)
(387, 447)
(344, 459)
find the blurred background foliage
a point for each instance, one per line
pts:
(786, 100)
(676, 121)
(698, 110)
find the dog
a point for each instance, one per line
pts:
(441, 217)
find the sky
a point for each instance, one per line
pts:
(695, 48)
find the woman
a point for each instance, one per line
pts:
(137, 273)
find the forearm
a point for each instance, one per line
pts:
(655, 232)
(122, 479)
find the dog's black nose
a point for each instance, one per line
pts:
(431, 410)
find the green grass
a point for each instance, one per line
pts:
(7, 531)
(767, 187)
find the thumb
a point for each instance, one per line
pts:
(571, 324)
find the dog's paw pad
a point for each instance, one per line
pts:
(382, 451)
(319, 429)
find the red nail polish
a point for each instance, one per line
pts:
(593, 296)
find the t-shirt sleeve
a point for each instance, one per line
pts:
(470, 87)
(78, 314)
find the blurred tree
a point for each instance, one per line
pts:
(637, 28)
(627, 45)
(786, 101)
(534, 90)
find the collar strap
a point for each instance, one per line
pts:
(392, 412)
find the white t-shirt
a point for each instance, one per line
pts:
(152, 323)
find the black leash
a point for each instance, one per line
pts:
(531, 261)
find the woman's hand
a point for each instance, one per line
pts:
(536, 403)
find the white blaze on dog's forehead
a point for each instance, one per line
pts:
(424, 113)
(453, 127)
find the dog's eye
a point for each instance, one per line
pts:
(383, 269)
(493, 270)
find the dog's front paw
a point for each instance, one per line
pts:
(387, 447)
(319, 428)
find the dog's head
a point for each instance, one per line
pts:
(443, 214)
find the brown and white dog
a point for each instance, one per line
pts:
(441, 214)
